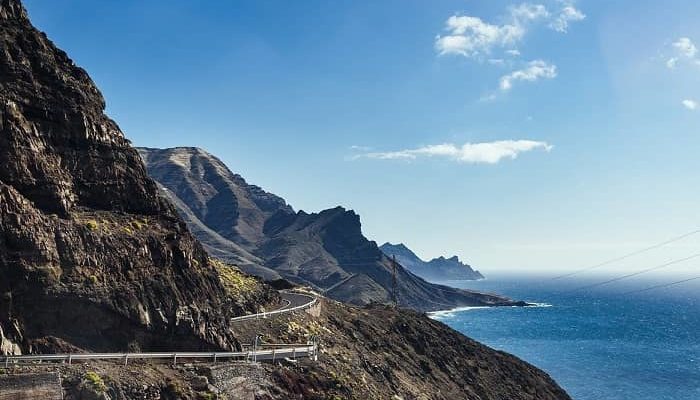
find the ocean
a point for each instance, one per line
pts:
(598, 344)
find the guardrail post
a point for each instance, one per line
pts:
(126, 359)
(273, 356)
(294, 353)
(214, 358)
(70, 359)
(174, 359)
(316, 346)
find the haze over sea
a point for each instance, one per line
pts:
(600, 343)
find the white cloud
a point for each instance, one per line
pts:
(496, 44)
(690, 104)
(470, 36)
(568, 14)
(534, 71)
(468, 153)
(360, 148)
(685, 49)
(671, 63)
(528, 12)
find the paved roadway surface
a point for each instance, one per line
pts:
(295, 300)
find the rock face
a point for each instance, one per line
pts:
(436, 270)
(90, 254)
(242, 224)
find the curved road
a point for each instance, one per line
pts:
(293, 301)
(296, 300)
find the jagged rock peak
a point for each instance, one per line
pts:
(399, 246)
(12, 9)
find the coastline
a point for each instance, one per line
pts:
(449, 313)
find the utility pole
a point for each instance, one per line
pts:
(394, 296)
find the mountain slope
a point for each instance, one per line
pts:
(92, 259)
(437, 269)
(90, 255)
(262, 234)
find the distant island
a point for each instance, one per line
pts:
(435, 270)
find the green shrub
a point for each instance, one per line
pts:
(92, 225)
(234, 281)
(206, 396)
(95, 381)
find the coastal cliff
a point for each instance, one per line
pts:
(436, 270)
(92, 259)
(241, 223)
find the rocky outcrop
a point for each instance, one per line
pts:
(436, 270)
(89, 251)
(242, 224)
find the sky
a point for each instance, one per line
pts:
(545, 135)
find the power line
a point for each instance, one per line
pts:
(634, 253)
(663, 285)
(619, 278)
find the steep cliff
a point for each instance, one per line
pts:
(241, 223)
(90, 255)
(436, 270)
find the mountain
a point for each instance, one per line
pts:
(258, 231)
(91, 256)
(435, 270)
(93, 259)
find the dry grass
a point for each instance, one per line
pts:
(234, 281)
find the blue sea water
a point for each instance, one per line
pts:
(597, 344)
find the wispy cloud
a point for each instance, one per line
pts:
(568, 14)
(690, 104)
(360, 148)
(686, 47)
(684, 50)
(534, 71)
(496, 44)
(468, 153)
(472, 37)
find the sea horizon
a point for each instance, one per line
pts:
(605, 342)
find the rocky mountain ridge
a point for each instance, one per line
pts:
(90, 254)
(93, 259)
(436, 270)
(262, 234)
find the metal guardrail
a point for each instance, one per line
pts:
(278, 351)
(284, 310)
(299, 350)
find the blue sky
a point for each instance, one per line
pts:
(541, 135)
